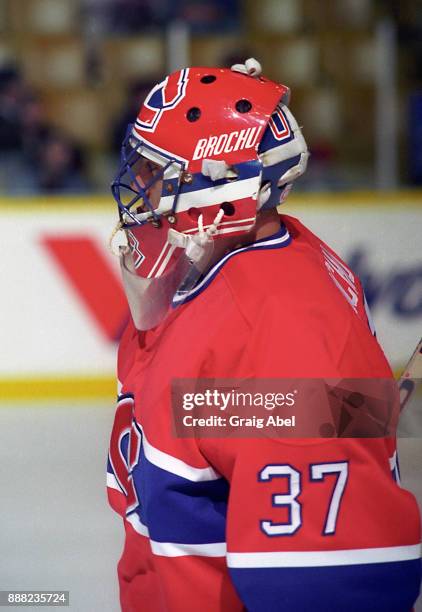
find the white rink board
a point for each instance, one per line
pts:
(46, 328)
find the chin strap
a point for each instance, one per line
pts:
(194, 246)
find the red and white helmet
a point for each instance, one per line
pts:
(209, 148)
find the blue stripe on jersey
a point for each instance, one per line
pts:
(379, 587)
(178, 510)
(278, 240)
(109, 467)
(123, 396)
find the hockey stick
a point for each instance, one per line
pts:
(411, 376)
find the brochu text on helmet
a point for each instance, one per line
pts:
(209, 149)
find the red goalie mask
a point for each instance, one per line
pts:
(209, 148)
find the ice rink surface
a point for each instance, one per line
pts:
(57, 531)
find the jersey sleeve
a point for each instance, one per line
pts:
(174, 507)
(305, 529)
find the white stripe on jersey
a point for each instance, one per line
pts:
(112, 483)
(170, 549)
(139, 527)
(168, 462)
(175, 466)
(323, 558)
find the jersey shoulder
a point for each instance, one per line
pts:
(305, 299)
(304, 277)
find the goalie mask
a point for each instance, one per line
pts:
(210, 147)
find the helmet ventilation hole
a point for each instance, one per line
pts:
(193, 114)
(208, 78)
(228, 209)
(243, 106)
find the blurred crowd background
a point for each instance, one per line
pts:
(74, 72)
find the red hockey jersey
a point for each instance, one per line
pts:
(220, 525)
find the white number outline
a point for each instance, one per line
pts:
(288, 500)
(318, 472)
